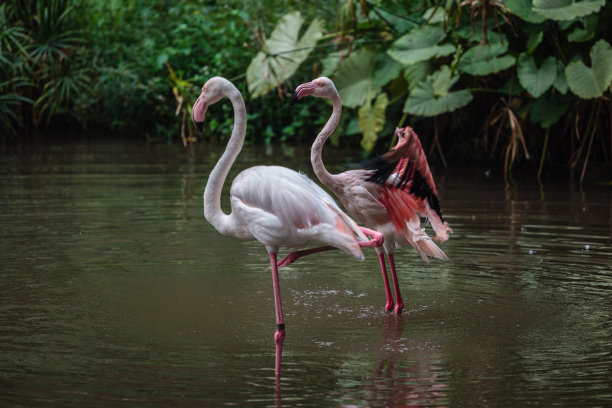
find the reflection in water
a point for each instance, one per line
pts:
(115, 291)
(406, 372)
(399, 383)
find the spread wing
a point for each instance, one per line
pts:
(407, 185)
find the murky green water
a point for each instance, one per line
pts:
(114, 291)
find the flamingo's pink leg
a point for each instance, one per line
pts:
(376, 241)
(279, 335)
(294, 256)
(383, 268)
(399, 306)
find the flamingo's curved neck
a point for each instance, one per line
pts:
(316, 152)
(212, 193)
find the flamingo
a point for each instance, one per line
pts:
(274, 205)
(388, 198)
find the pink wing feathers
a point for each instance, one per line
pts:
(407, 185)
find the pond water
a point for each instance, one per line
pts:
(114, 291)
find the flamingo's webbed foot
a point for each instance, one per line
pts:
(399, 307)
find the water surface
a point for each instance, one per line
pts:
(114, 291)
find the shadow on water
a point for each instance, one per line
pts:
(115, 292)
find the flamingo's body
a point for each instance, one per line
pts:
(389, 198)
(274, 205)
(280, 207)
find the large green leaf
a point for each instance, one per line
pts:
(416, 73)
(524, 10)
(591, 82)
(548, 109)
(398, 22)
(590, 25)
(372, 120)
(331, 62)
(442, 81)
(282, 54)
(536, 81)
(535, 35)
(433, 97)
(387, 69)
(420, 44)
(566, 9)
(354, 78)
(434, 15)
(486, 59)
(474, 33)
(512, 87)
(560, 83)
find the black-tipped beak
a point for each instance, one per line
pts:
(294, 99)
(198, 112)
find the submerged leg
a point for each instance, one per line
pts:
(383, 268)
(399, 306)
(279, 335)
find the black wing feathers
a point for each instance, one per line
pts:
(383, 170)
(410, 176)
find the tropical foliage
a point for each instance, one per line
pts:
(462, 68)
(524, 81)
(43, 72)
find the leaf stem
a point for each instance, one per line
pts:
(546, 136)
(321, 46)
(586, 159)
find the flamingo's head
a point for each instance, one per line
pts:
(212, 92)
(322, 87)
(404, 136)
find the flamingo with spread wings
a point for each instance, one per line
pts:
(388, 198)
(274, 205)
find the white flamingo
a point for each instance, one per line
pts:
(388, 198)
(274, 205)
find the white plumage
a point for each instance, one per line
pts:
(280, 207)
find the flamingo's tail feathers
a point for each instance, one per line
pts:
(439, 226)
(421, 242)
(345, 224)
(343, 241)
(429, 247)
(347, 235)
(354, 249)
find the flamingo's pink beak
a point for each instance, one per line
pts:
(303, 90)
(199, 112)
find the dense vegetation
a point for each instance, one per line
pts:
(514, 79)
